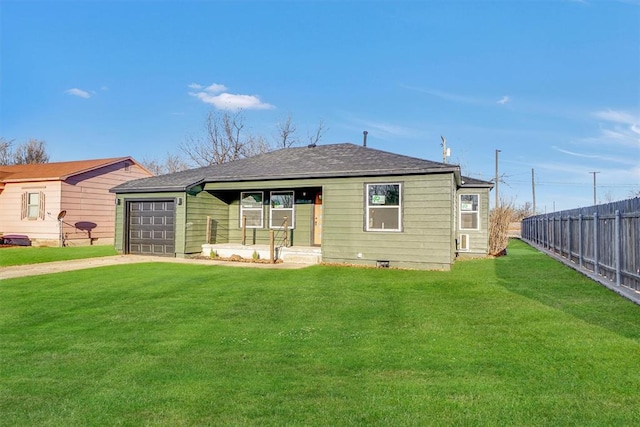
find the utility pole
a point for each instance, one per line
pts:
(496, 179)
(533, 189)
(594, 187)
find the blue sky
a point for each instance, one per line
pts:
(554, 85)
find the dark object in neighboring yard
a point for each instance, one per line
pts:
(15, 240)
(501, 253)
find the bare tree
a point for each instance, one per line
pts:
(315, 138)
(224, 141)
(171, 163)
(6, 155)
(608, 197)
(32, 151)
(499, 219)
(523, 211)
(287, 134)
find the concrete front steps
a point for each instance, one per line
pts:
(294, 254)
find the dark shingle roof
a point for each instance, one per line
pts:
(468, 182)
(322, 161)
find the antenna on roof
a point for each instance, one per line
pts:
(446, 152)
(364, 138)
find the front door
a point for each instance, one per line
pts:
(317, 220)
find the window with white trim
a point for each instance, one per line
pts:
(384, 207)
(281, 206)
(469, 212)
(251, 208)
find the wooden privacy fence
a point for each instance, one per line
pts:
(602, 239)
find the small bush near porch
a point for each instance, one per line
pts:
(516, 340)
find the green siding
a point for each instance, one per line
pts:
(429, 219)
(199, 207)
(425, 241)
(478, 239)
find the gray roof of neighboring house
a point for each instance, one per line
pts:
(468, 182)
(322, 161)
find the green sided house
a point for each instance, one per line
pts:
(341, 203)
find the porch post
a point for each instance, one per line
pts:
(272, 255)
(244, 230)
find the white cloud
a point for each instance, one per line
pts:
(622, 117)
(446, 95)
(461, 99)
(618, 127)
(217, 96)
(623, 160)
(215, 88)
(78, 92)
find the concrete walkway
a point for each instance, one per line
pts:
(79, 264)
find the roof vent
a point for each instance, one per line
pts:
(364, 138)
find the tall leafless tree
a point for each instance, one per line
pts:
(32, 151)
(224, 140)
(6, 156)
(287, 134)
(172, 163)
(314, 138)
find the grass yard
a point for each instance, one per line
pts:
(519, 340)
(22, 255)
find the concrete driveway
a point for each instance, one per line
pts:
(79, 264)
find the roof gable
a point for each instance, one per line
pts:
(57, 171)
(322, 161)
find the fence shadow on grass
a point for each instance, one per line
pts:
(536, 276)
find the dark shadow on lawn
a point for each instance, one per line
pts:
(534, 275)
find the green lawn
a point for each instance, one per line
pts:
(519, 340)
(35, 255)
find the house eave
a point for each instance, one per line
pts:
(156, 189)
(343, 174)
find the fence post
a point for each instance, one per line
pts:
(569, 237)
(561, 240)
(580, 240)
(617, 250)
(596, 261)
(553, 234)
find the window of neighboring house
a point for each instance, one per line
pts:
(251, 208)
(281, 206)
(33, 205)
(384, 207)
(469, 212)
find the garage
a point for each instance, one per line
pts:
(151, 227)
